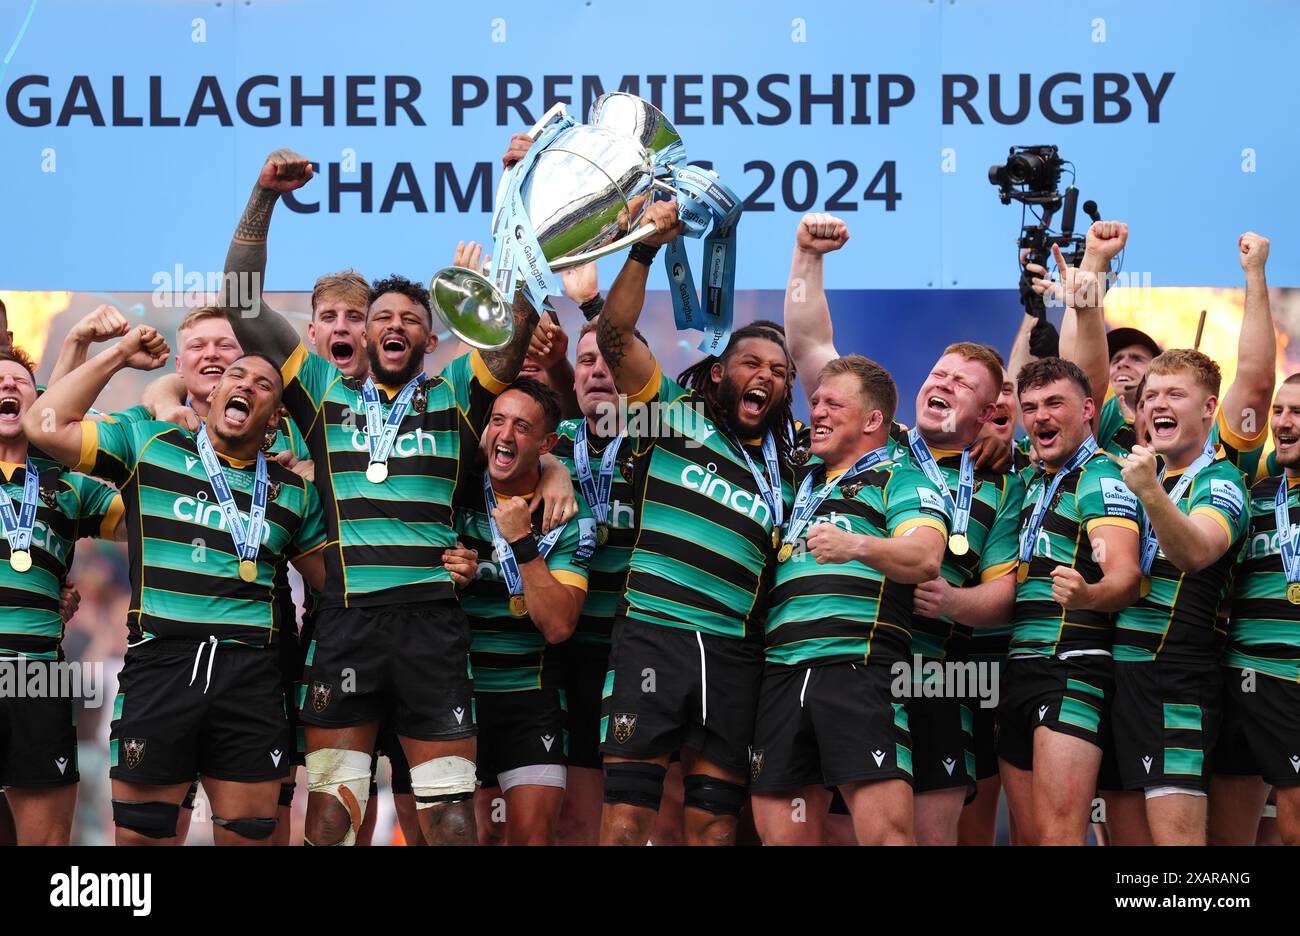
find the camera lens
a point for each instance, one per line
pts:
(1025, 168)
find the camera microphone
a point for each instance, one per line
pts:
(1090, 209)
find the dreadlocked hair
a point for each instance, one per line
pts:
(698, 377)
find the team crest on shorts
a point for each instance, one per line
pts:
(320, 695)
(624, 725)
(755, 765)
(134, 748)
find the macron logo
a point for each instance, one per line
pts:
(74, 889)
(1042, 711)
(190, 462)
(949, 764)
(548, 740)
(879, 757)
(1146, 762)
(62, 764)
(1295, 763)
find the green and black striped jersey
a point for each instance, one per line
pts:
(184, 569)
(287, 439)
(705, 540)
(508, 653)
(1115, 433)
(1092, 496)
(849, 612)
(1176, 619)
(1264, 633)
(72, 506)
(608, 574)
(386, 540)
(993, 534)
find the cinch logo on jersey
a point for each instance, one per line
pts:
(1227, 497)
(75, 889)
(1268, 544)
(837, 519)
(407, 444)
(50, 541)
(703, 479)
(1116, 494)
(200, 510)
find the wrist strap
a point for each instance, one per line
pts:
(643, 253)
(593, 306)
(525, 548)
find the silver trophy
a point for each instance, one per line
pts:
(582, 192)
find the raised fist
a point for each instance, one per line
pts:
(1106, 239)
(100, 325)
(820, 234)
(663, 215)
(1253, 251)
(285, 171)
(143, 348)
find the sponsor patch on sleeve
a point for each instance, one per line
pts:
(930, 500)
(1226, 496)
(1117, 499)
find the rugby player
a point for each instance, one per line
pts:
(1168, 693)
(205, 575)
(712, 484)
(44, 510)
(390, 636)
(522, 602)
(1078, 566)
(975, 587)
(1260, 742)
(839, 621)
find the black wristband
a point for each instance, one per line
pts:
(643, 253)
(592, 307)
(525, 549)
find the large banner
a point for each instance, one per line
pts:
(125, 163)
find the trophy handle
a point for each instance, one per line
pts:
(627, 240)
(558, 110)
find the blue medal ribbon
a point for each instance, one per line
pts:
(1029, 536)
(596, 490)
(516, 250)
(506, 555)
(380, 439)
(806, 501)
(775, 504)
(702, 199)
(248, 539)
(1285, 538)
(1149, 543)
(18, 525)
(959, 509)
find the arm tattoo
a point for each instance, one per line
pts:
(612, 343)
(504, 363)
(256, 219)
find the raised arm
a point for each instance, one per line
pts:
(629, 360)
(257, 326)
(808, 326)
(1248, 401)
(103, 323)
(54, 425)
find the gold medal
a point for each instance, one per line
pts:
(776, 537)
(787, 550)
(20, 560)
(1293, 593)
(1145, 588)
(518, 606)
(958, 544)
(376, 472)
(1022, 572)
(248, 570)
(602, 534)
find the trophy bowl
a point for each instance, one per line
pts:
(583, 194)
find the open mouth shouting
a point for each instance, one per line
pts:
(342, 352)
(938, 407)
(503, 456)
(213, 371)
(1163, 427)
(753, 403)
(238, 409)
(1286, 441)
(11, 408)
(393, 348)
(1045, 436)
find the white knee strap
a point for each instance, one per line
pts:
(443, 780)
(343, 775)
